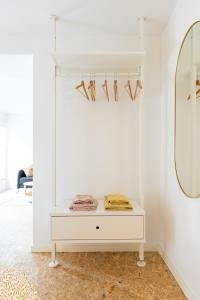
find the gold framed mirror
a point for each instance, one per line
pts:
(187, 113)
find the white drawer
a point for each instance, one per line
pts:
(97, 227)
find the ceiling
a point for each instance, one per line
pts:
(112, 16)
(16, 81)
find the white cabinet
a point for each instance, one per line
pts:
(100, 226)
(97, 228)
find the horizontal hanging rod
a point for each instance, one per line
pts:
(108, 75)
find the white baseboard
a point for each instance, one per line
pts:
(95, 248)
(186, 290)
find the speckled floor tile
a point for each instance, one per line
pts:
(82, 276)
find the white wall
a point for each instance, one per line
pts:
(16, 78)
(3, 118)
(20, 145)
(97, 143)
(180, 215)
(3, 123)
(43, 121)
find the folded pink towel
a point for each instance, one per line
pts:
(83, 199)
(83, 208)
(84, 205)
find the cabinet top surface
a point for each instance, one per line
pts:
(63, 210)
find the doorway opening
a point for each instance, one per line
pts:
(16, 153)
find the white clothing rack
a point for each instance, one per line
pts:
(122, 63)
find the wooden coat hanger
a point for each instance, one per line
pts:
(129, 90)
(105, 88)
(138, 86)
(198, 91)
(198, 84)
(84, 92)
(92, 90)
(115, 90)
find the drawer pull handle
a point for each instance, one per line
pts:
(97, 227)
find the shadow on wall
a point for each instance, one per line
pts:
(168, 225)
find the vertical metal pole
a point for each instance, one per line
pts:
(54, 19)
(53, 262)
(140, 145)
(141, 26)
(141, 263)
(140, 121)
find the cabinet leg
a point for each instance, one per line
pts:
(53, 263)
(141, 262)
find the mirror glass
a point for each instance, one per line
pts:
(187, 113)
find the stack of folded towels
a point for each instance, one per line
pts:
(117, 202)
(83, 202)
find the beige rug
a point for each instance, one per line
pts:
(16, 286)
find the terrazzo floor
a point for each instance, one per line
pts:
(80, 275)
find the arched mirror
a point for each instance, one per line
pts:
(187, 113)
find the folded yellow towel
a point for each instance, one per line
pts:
(117, 199)
(109, 206)
(117, 202)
